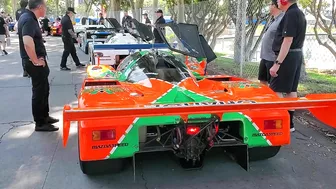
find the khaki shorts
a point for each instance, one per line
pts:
(2, 38)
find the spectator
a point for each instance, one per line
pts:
(126, 19)
(45, 25)
(33, 53)
(68, 36)
(3, 34)
(147, 20)
(19, 12)
(287, 45)
(101, 19)
(160, 20)
(267, 55)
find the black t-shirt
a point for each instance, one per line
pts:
(19, 12)
(66, 25)
(157, 36)
(147, 21)
(29, 26)
(45, 22)
(126, 20)
(2, 28)
(293, 24)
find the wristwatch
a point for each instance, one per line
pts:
(277, 62)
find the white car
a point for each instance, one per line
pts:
(107, 53)
(110, 26)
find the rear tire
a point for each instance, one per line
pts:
(262, 153)
(102, 166)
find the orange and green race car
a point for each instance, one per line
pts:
(152, 102)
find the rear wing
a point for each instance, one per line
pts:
(322, 106)
(129, 46)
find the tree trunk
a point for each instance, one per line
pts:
(155, 7)
(239, 44)
(57, 7)
(180, 14)
(114, 11)
(303, 74)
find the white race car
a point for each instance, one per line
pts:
(101, 32)
(107, 53)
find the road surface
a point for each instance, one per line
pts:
(30, 160)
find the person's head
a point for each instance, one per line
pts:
(100, 14)
(274, 8)
(2, 14)
(23, 3)
(145, 15)
(39, 7)
(125, 13)
(285, 4)
(70, 12)
(159, 13)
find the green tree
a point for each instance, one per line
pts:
(211, 16)
(255, 15)
(321, 10)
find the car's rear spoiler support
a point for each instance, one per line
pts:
(322, 106)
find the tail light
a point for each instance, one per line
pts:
(273, 124)
(103, 135)
(193, 130)
(98, 54)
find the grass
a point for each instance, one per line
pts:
(315, 81)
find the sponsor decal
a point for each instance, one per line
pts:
(242, 85)
(102, 146)
(202, 103)
(98, 89)
(267, 134)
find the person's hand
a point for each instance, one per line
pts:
(39, 62)
(79, 40)
(274, 70)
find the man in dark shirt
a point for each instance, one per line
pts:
(3, 33)
(101, 19)
(19, 12)
(45, 25)
(147, 20)
(33, 54)
(287, 45)
(68, 37)
(126, 20)
(159, 20)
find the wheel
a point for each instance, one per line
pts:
(262, 153)
(102, 166)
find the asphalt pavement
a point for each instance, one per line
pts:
(30, 160)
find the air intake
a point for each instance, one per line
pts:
(101, 83)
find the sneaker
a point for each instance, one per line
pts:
(5, 52)
(292, 129)
(46, 128)
(80, 65)
(51, 120)
(65, 69)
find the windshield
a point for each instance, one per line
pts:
(162, 66)
(107, 24)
